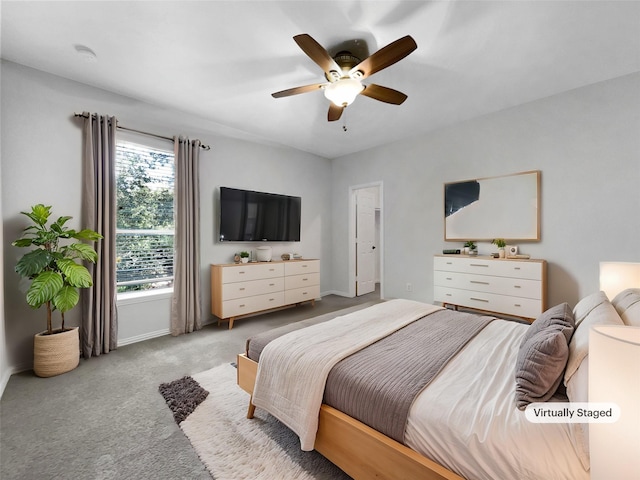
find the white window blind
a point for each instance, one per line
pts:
(145, 224)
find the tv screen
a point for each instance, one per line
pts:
(248, 216)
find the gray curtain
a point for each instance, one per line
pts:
(99, 316)
(185, 305)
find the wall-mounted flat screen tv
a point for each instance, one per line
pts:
(248, 216)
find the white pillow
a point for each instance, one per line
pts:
(592, 310)
(627, 304)
(587, 304)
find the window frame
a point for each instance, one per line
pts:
(138, 296)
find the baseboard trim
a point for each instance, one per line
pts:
(141, 338)
(12, 370)
(337, 292)
(3, 382)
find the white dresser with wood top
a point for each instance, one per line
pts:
(513, 287)
(248, 288)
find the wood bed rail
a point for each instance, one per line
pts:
(360, 451)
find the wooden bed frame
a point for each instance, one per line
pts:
(359, 450)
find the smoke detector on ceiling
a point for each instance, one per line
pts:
(86, 53)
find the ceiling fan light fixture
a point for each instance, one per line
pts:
(343, 92)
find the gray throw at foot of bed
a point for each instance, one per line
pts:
(377, 385)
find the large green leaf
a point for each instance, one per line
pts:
(43, 288)
(61, 221)
(22, 242)
(82, 251)
(87, 234)
(77, 275)
(66, 298)
(33, 262)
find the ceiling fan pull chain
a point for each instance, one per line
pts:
(344, 120)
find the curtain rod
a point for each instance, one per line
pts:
(204, 147)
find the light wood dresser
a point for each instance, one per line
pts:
(512, 287)
(248, 288)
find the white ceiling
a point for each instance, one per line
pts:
(221, 60)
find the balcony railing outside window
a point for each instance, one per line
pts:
(145, 223)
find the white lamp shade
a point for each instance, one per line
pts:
(614, 377)
(617, 276)
(343, 92)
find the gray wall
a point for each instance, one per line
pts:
(41, 163)
(586, 144)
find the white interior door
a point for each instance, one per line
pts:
(365, 242)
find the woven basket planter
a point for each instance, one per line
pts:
(56, 354)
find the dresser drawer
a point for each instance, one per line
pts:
(519, 287)
(253, 271)
(297, 295)
(299, 267)
(301, 281)
(491, 302)
(234, 290)
(256, 303)
(497, 267)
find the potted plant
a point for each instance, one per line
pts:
(500, 243)
(470, 247)
(244, 257)
(55, 276)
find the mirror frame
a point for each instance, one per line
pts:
(500, 200)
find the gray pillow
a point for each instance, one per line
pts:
(543, 355)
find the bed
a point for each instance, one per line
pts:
(466, 421)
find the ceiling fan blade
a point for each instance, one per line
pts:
(384, 94)
(335, 112)
(317, 53)
(386, 56)
(297, 90)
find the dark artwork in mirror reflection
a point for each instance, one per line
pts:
(495, 207)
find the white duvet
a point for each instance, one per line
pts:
(293, 368)
(469, 423)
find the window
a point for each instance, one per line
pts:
(145, 226)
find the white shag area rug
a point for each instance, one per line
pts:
(235, 448)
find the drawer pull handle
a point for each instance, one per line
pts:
(305, 279)
(272, 269)
(517, 305)
(478, 265)
(241, 289)
(304, 293)
(271, 284)
(449, 263)
(448, 295)
(241, 306)
(479, 299)
(271, 299)
(449, 278)
(241, 272)
(479, 282)
(517, 286)
(516, 268)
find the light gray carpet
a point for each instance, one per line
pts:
(107, 420)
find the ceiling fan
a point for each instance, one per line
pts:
(345, 73)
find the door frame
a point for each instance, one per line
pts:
(352, 235)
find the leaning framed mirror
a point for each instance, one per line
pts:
(505, 207)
